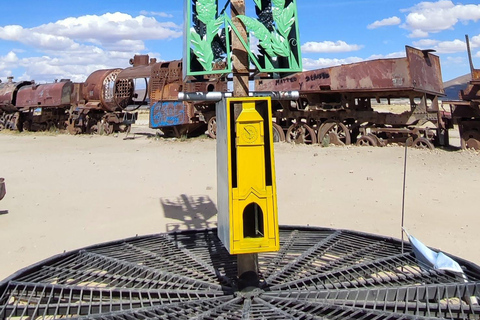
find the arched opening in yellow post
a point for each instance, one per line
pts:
(253, 221)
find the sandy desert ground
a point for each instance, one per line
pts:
(67, 192)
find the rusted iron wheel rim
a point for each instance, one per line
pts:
(301, 133)
(278, 134)
(367, 141)
(423, 143)
(335, 129)
(212, 127)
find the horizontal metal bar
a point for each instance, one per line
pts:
(217, 96)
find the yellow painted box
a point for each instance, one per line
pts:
(247, 203)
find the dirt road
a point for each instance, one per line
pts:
(66, 192)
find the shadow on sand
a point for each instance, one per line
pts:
(193, 212)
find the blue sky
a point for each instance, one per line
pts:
(47, 40)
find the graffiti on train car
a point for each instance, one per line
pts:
(169, 113)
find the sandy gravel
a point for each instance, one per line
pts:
(67, 192)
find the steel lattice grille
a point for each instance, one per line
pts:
(317, 274)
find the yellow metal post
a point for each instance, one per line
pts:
(248, 223)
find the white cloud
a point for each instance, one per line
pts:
(311, 64)
(393, 21)
(475, 41)
(158, 14)
(425, 43)
(387, 56)
(329, 47)
(76, 46)
(6, 62)
(432, 17)
(453, 60)
(442, 46)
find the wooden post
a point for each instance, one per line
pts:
(247, 264)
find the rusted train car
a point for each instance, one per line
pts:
(343, 104)
(9, 114)
(164, 81)
(107, 100)
(465, 113)
(97, 104)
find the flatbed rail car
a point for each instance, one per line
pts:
(339, 104)
(465, 113)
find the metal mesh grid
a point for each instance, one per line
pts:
(318, 273)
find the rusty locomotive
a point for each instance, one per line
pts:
(96, 104)
(107, 101)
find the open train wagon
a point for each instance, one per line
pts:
(344, 104)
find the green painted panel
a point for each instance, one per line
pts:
(207, 47)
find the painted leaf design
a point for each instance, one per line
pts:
(206, 11)
(256, 27)
(284, 19)
(280, 46)
(260, 31)
(202, 50)
(279, 3)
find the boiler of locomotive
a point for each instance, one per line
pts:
(103, 90)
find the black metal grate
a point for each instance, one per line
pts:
(317, 274)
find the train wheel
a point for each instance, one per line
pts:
(423, 143)
(367, 141)
(335, 133)
(93, 129)
(471, 140)
(212, 127)
(301, 133)
(107, 128)
(278, 134)
(26, 126)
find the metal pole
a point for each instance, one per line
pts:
(407, 142)
(247, 264)
(467, 40)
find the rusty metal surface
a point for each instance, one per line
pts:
(165, 81)
(57, 94)
(135, 72)
(425, 71)
(418, 71)
(101, 90)
(8, 93)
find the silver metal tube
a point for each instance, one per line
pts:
(203, 96)
(217, 96)
(276, 95)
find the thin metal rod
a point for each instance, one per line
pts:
(467, 40)
(404, 187)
